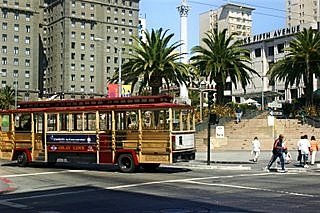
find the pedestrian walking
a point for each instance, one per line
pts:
(277, 152)
(299, 159)
(255, 149)
(238, 114)
(305, 148)
(314, 149)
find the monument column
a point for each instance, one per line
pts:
(183, 11)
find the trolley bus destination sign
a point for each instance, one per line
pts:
(61, 138)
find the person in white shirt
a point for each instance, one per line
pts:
(256, 148)
(305, 145)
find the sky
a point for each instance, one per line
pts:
(268, 15)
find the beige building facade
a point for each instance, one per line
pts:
(84, 41)
(233, 17)
(19, 43)
(67, 48)
(302, 12)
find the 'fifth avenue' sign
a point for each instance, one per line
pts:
(274, 34)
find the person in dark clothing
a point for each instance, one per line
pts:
(277, 152)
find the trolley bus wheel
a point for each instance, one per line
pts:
(126, 163)
(22, 159)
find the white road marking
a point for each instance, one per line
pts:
(40, 173)
(8, 202)
(13, 205)
(251, 188)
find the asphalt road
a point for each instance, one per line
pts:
(167, 190)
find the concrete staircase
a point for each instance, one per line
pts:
(239, 136)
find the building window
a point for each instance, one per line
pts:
(83, 36)
(3, 84)
(73, 66)
(73, 23)
(83, 25)
(73, 34)
(3, 72)
(15, 73)
(4, 37)
(27, 17)
(83, 46)
(16, 62)
(82, 89)
(27, 40)
(16, 50)
(82, 67)
(16, 16)
(280, 48)
(27, 62)
(91, 78)
(4, 61)
(4, 49)
(91, 46)
(4, 26)
(4, 14)
(16, 39)
(257, 52)
(73, 77)
(72, 88)
(27, 74)
(82, 57)
(91, 68)
(91, 37)
(73, 45)
(73, 56)
(16, 27)
(28, 29)
(270, 51)
(82, 78)
(26, 85)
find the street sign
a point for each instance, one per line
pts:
(274, 105)
(219, 131)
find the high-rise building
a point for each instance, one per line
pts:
(233, 17)
(302, 12)
(84, 41)
(21, 60)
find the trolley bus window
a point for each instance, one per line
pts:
(155, 119)
(77, 121)
(52, 122)
(23, 122)
(90, 121)
(105, 121)
(63, 121)
(182, 120)
(5, 123)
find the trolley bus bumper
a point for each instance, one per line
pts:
(183, 155)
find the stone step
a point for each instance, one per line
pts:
(239, 136)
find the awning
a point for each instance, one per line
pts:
(259, 94)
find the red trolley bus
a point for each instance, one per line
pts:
(129, 132)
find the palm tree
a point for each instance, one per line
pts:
(7, 97)
(152, 62)
(301, 63)
(223, 57)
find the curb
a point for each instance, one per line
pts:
(10, 186)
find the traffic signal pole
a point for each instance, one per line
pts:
(210, 102)
(208, 145)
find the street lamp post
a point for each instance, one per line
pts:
(16, 93)
(120, 70)
(119, 50)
